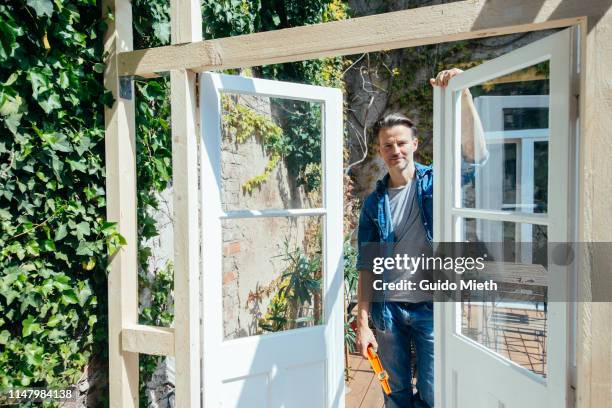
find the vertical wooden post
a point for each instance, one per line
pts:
(186, 20)
(121, 206)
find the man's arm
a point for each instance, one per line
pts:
(365, 336)
(367, 234)
(473, 145)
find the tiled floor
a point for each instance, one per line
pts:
(517, 334)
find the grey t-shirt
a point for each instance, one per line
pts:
(410, 239)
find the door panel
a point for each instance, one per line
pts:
(491, 353)
(288, 368)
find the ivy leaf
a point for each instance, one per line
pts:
(63, 80)
(30, 326)
(99, 67)
(8, 34)
(69, 297)
(4, 337)
(51, 103)
(57, 141)
(41, 7)
(39, 81)
(12, 122)
(84, 248)
(82, 229)
(53, 321)
(48, 245)
(33, 248)
(77, 166)
(83, 295)
(9, 105)
(83, 146)
(60, 233)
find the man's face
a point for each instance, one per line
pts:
(396, 146)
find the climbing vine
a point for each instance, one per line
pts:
(55, 239)
(243, 122)
(54, 236)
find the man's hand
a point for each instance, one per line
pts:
(444, 76)
(365, 337)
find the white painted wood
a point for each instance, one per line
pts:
(298, 212)
(468, 374)
(120, 149)
(428, 25)
(143, 339)
(511, 216)
(186, 20)
(297, 368)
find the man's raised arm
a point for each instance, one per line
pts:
(473, 145)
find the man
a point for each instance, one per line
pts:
(399, 214)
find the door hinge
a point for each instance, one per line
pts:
(125, 87)
(197, 92)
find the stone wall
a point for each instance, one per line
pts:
(397, 80)
(252, 248)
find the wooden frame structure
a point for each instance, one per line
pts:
(427, 25)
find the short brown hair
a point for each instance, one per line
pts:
(393, 119)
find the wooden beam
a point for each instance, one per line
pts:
(186, 27)
(158, 341)
(408, 28)
(121, 207)
(594, 342)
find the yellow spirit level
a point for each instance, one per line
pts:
(379, 371)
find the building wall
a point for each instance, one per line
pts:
(252, 248)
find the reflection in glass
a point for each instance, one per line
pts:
(512, 320)
(514, 112)
(271, 153)
(272, 275)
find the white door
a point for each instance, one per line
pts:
(303, 366)
(513, 354)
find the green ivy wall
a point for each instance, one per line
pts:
(54, 236)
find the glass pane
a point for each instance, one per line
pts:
(513, 110)
(271, 153)
(511, 321)
(272, 275)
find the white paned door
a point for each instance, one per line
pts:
(509, 354)
(304, 366)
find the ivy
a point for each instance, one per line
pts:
(54, 236)
(242, 122)
(55, 240)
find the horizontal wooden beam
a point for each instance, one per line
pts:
(408, 28)
(158, 341)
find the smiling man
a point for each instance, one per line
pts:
(399, 214)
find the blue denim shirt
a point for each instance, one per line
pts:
(375, 220)
(375, 223)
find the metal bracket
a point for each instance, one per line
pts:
(125, 87)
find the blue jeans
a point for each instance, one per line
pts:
(405, 323)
